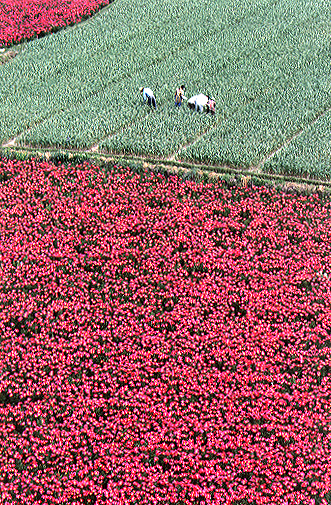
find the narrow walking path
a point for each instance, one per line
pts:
(13, 141)
(258, 167)
(220, 118)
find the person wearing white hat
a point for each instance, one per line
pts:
(149, 96)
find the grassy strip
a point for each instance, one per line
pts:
(232, 176)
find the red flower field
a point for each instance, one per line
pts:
(24, 19)
(161, 341)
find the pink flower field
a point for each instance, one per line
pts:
(161, 341)
(24, 19)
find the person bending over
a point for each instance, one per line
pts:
(148, 96)
(179, 95)
(198, 102)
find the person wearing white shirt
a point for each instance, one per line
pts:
(202, 102)
(149, 96)
(198, 102)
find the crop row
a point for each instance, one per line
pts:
(309, 154)
(262, 126)
(269, 76)
(241, 81)
(63, 73)
(204, 373)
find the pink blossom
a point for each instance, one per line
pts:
(161, 340)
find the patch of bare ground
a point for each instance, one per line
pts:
(296, 187)
(10, 143)
(46, 155)
(7, 56)
(95, 148)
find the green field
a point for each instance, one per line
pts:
(266, 62)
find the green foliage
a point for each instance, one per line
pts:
(158, 133)
(267, 65)
(309, 154)
(260, 127)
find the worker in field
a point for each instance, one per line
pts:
(202, 102)
(198, 102)
(179, 95)
(211, 104)
(149, 96)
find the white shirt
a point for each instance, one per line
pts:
(147, 92)
(199, 100)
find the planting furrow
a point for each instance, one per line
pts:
(96, 147)
(279, 153)
(81, 103)
(213, 126)
(119, 71)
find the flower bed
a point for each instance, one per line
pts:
(24, 19)
(161, 341)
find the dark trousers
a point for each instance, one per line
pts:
(151, 101)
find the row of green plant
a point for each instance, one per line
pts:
(264, 63)
(62, 71)
(116, 104)
(309, 154)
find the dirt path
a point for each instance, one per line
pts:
(173, 156)
(258, 167)
(243, 180)
(233, 176)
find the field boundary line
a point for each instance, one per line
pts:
(254, 168)
(56, 29)
(95, 147)
(174, 154)
(171, 157)
(126, 75)
(191, 167)
(12, 141)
